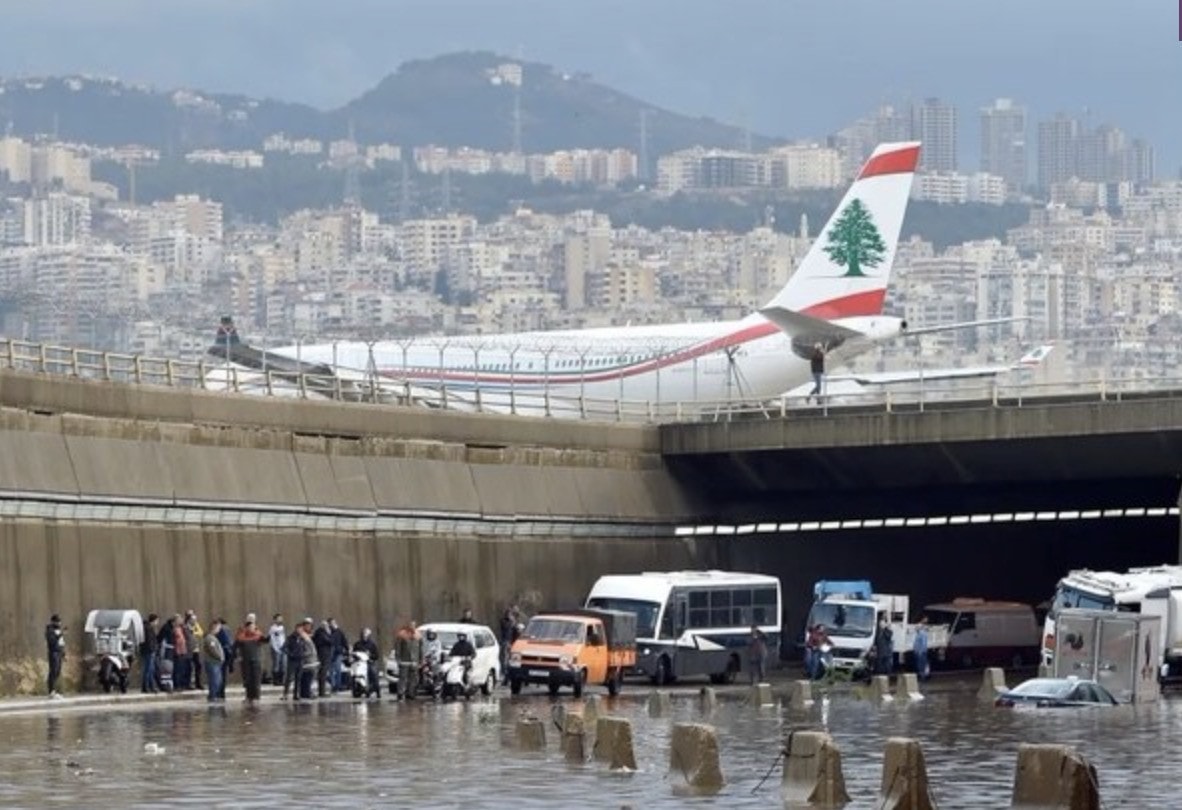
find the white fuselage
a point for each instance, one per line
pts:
(743, 360)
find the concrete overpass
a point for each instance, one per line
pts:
(962, 499)
(115, 494)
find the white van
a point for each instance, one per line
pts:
(986, 634)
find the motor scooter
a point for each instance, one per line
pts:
(457, 681)
(116, 636)
(363, 685)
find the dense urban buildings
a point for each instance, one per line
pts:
(1097, 266)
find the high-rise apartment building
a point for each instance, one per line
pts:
(1003, 142)
(934, 123)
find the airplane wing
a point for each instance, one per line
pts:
(947, 327)
(1029, 360)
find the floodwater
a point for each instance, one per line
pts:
(340, 753)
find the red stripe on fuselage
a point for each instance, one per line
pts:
(901, 161)
(868, 302)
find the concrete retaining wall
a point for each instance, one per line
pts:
(63, 439)
(363, 579)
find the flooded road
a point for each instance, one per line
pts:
(344, 754)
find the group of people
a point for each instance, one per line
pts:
(880, 658)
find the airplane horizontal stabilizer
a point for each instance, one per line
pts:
(798, 325)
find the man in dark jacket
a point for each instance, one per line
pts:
(322, 638)
(148, 648)
(55, 648)
(227, 643)
(369, 646)
(249, 641)
(340, 648)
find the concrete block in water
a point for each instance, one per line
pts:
(812, 770)
(1054, 776)
(574, 737)
(907, 687)
(993, 681)
(802, 695)
(707, 700)
(531, 733)
(760, 694)
(904, 777)
(591, 710)
(658, 704)
(613, 743)
(880, 688)
(693, 752)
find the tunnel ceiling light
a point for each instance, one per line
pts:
(851, 524)
(1046, 515)
(893, 523)
(1003, 517)
(958, 520)
(704, 530)
(766, 527)
(746, 528)
(1070, 514)
(789, 527)
(1023, 517)
(810, 526)
(980, 518)
(917, 521)
(1089, 514)
(939, 520)
(872, 523)
(830, 525)
(724, 529)
(1114, 513)
(682, 531)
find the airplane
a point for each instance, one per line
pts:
(835, 298)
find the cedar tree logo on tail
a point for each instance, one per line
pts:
(854, 241)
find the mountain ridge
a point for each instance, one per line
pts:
(456, 99)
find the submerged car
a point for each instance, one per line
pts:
(1056, 692)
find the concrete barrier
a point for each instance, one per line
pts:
(591, 710)
(801, 696)
(760, 694)
(1054, 776)
(707, 700)
(693, 752)
(904, 777)
(658, 703)
(993, 682)
(907, 687)
(574, 737)
(812, 770)
(880, 689)
(531, 733)
(613, 743)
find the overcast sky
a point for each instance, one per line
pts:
(798, 68)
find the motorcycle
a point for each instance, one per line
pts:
(359, 676)
(457, 678)
(116, 635)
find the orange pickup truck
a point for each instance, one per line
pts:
(574, 648)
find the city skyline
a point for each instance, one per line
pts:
(872, 55)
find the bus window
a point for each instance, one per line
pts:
(720, 608)
(667, 623)
(699, 609)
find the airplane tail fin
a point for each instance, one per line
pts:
(846, 271)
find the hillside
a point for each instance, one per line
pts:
(454, 100)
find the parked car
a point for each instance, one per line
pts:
(486, 667)
(1056, 692)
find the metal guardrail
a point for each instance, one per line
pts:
(212, 375)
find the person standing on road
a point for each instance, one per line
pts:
(309, 663)
(884, 648)
(340, 648)
(408, 647)
(193, 637)
(55, 649)
(223, 636)
(213, 657)
(508, 624)
(322, 638)
(756, 654)
(919, 649)
(148, 649)
(249, 641)
(277, 635)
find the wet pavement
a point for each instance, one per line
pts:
(341, 753)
